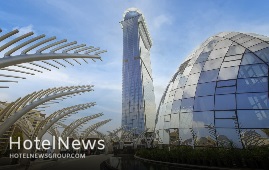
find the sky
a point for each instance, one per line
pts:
(176, 27)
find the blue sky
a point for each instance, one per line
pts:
(176, 27)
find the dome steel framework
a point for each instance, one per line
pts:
(219, 95)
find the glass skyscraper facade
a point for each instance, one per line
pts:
(219, 95)
(138, 100)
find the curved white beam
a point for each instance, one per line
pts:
(69, 50)
(15, 40)
(51, 45)
(37, 44)
(94, 126)
(3, 37)
(67, 131)
(12, 119)
(60, 116)
(24, 44)
(13, 60)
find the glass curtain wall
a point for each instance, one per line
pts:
(138, 100)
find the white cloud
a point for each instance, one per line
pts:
(57, 76)
(24, 30)
(5, 97)
(161, 20)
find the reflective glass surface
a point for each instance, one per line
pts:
(223, 100)
(189, 91)
(205, 89)
(252, 101)
(226, 90)
(187, 105)
(138, 99)
(236, 49)
(208, 76)
(204, 103)
(212, 64)
(253, 118)
(203, 119)
(259, 84)
(228, 73)
(256, 70)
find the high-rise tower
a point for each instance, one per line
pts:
(138, 99)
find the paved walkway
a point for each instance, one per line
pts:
(89, 163)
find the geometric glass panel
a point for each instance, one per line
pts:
(228, 73)
(225, 123)
(256, 70)
(189, 91)
(205, 89)
(253, 118)
(187, 105)
(204, 103)
(224, 114)
(208, 76)
(212, 64)
(234, 50)
(225, 102)
(226, 83)
(263, 54)
(259, 84)
(252, 101)
(176, 106)
(231, 63)
(250, 58)
(200, 119)
(202, 57)
(218, 53)
(226, 90)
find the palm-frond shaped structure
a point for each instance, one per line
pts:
(28, 54)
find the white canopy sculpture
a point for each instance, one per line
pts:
(93, 127)
(69, 129)
(44, 51)
(17, 109)
(53, 118)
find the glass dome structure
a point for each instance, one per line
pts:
(219, 95)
